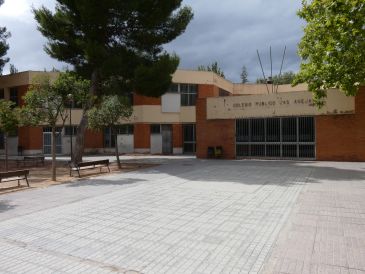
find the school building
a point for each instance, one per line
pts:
(202, 111)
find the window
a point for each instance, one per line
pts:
(14, 96)
(2, 93)
(70, 130)
(109, 138)
(174, 88)
(189, 135)
(188, 94)
(156, 129)
(125, 129)
(287, 137)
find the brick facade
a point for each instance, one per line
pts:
(342, 137)
(211, 133)
(177, 135)
(140, 100)
(142, 139)
(94, 139)
(31, 138)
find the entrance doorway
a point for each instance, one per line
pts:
(47, 140)
(166, 132)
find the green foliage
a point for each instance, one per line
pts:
(333, 46)
(4, 34)
(46, 101)
(9, 116)
(115, 38)
(112, 111)
(284, 78)
(13, 69)
(214, 67)
(244, 75)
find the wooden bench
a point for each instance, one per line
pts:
(35, 159)
(88, 165)
(15, 175)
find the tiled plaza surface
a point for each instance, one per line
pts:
(192, 216)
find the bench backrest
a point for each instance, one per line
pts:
(14, 173)
(91, 163)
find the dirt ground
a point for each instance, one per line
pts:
(40, 176)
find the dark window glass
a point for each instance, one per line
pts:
(174, 88)
(125, 129)
(2, 93)
(289, 128)
(306, 151)
(273, 130)
(306, 129)
(156, 129)
(290, 151)
(258, 150)
(273, 150)
(70, 130)
(188, 94)
(243, 130)
(258, 130)
(14, 96)
(189, 135)
(243, 150)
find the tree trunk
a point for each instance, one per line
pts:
(6, 151)
(79, 145)
(53, 153)
(116, 147)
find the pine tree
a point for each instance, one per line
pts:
(108, 38)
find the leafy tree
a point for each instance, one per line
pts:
(244, 75)
(214, 67)
(111, 112)
(284, 78)
(333, 46)
(45, 103)
(9, 121)
(103, 39)
(4, 34)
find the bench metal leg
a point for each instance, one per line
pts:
(108, 168)
(18, 182)
(78, 171)
(26, 178)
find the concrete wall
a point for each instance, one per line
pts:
(156, 144)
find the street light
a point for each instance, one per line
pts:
(70, 98)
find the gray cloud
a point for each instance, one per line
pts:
(225, 31)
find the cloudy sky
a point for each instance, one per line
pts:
(228, 32)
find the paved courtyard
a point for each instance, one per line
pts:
(192, 216)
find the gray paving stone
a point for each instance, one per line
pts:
(189, 216)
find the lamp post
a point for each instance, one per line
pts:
(70, 98)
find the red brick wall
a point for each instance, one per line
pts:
(342, 137)
(93, 139)
(211, 133)
(31, 138)
(22, 90)
(177, 135)
(205, 91)
(142, 138)
(140, 100)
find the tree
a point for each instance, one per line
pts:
(4, 34)
(13, 69)
(333, 46)
(111, 112)
(9, 121)
(284, 78)
(45, 103)
(244, 75)
(115, 38)
(214, 67)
